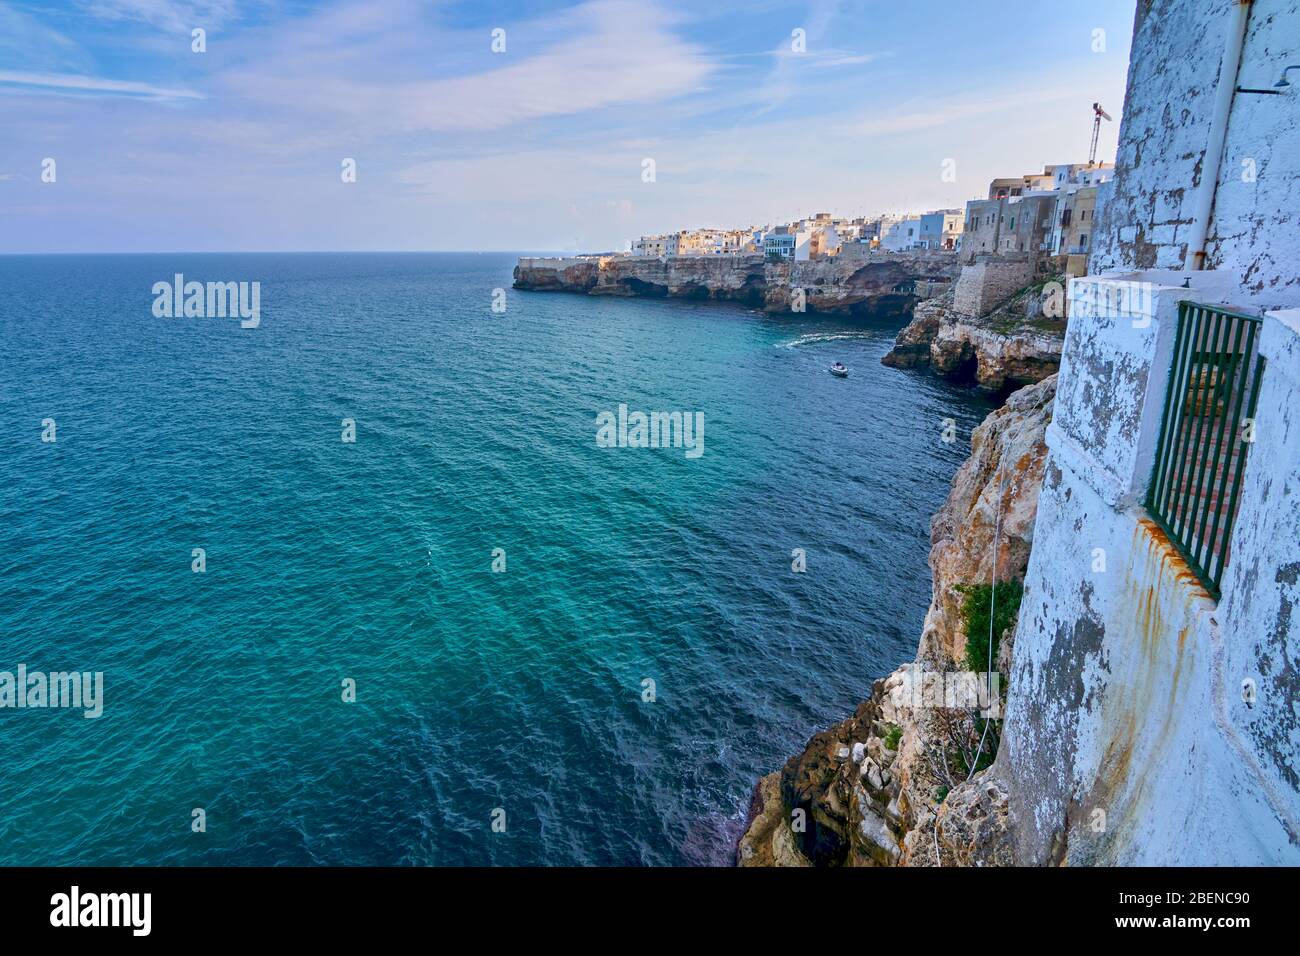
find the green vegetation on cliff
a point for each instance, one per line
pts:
(981, 602)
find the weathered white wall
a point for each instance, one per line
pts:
(1261, 603)
(1125, 679)
(1173, 73)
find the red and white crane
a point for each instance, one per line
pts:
(1098, 114)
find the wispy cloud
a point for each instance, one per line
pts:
(616, 52)
(782, 82)
(537, 147)
(25, 42)
(832, 58)
(74, 84)
(945, 111)
(173, 15)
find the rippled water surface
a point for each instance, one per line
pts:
(372, 561)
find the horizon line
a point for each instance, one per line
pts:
(310, 252)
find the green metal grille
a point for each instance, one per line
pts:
(1205, 435)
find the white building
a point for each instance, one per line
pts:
(788, 242)
(903, 235)
(656, 245)
(850, 230)
(941, 229)
(825, 241)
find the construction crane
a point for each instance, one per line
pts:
(1098, 114)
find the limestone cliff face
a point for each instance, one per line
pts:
(886, 283)
(973, 827)
(564, 275)
(1013, 345)
(997, 485)
(912, 346)
(997, 358)
(837, 802)
(866, 792)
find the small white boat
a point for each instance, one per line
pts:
(840, 369)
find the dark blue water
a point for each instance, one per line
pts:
(372, 561)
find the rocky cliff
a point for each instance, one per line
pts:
(1015, 344)
(996, 486)
(869, 790)
(912, 345)
(879, 284)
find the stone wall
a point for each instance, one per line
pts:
(988, 283)
(1174, 70)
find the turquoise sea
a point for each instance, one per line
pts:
(372, 560)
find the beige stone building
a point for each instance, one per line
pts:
(1041, 213)
(1075, 213)
(656, 246)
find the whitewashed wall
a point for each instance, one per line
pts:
(1174, 69)
(1126, 741)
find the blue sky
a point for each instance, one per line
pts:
(539, 147)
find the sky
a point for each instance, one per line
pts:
(752, 112)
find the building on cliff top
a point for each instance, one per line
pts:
(1025, 214)
(902, 235)
(699, 242)
(1052, 179)
(941, 229)
(1152, 715)
(656, 245)
(1073, 222)
(1010, 224)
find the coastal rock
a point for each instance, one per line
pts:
(570, 275)
(831, 804)
(880, 284)
(997, 357)
(1018, 342)
(973, 827)
(873, 841)
(767, 841)
(871, 771)
(845, 286)
(814, 784)
(998, 486)
(912, 345)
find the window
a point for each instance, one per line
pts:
(1200, 452)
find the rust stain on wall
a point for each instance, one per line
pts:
(1158, 610)
(1169, 554)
